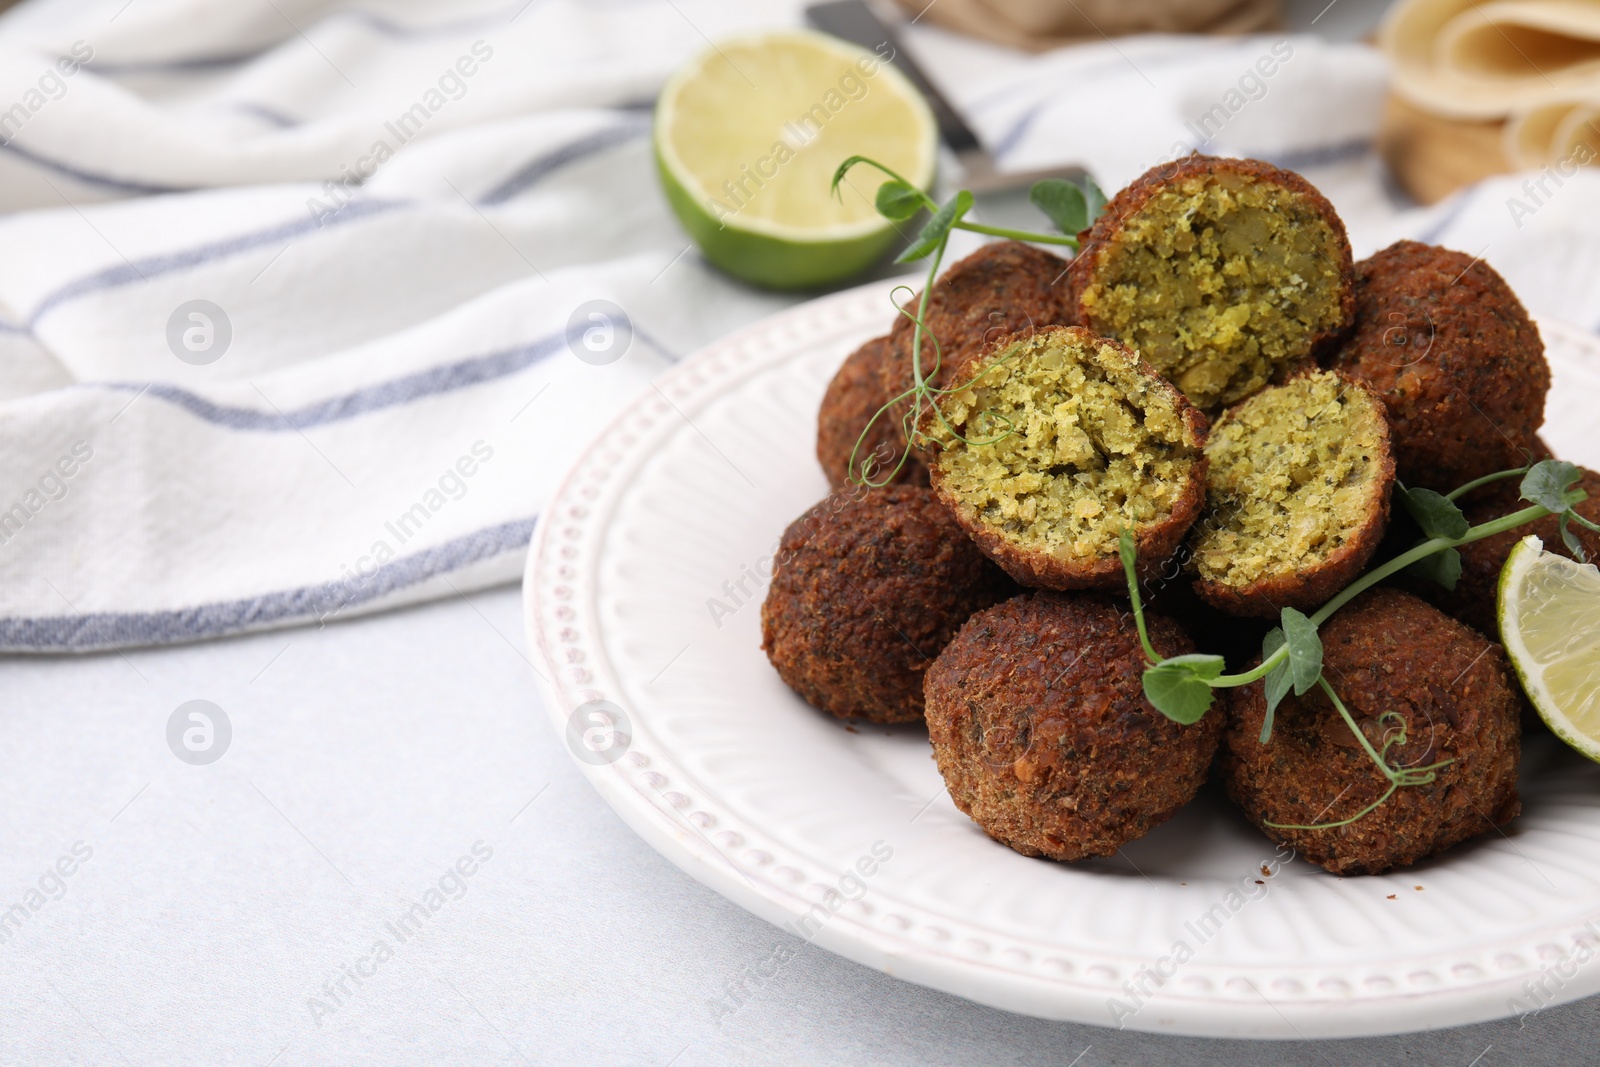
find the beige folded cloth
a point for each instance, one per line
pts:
(1468, 59)
(1556, 133)
(1040, 24)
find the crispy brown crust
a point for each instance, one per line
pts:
(854, 396)
(1041, 729)
(1307, 588)
(1002, 287)
(1156, 543)
(1096, 241)
(868, 586)
(1471, 403)
(1385, 652)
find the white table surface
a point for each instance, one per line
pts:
(366, 758)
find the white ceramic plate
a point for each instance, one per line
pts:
(643, 589)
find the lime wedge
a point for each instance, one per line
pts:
(1549, 610)
(748, 135)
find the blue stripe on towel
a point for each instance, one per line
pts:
(151, 266)
(402, 32)
(445, 379)
(541, 167)
(1319, 155)
(435, 380)
(84, 633)
(266, 114)
(378, 23)
(186, 65)
(1009, 140)
(142, 269)
(103, 181)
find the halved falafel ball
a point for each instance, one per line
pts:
(1473, 599)
(1001, 288)
(1447, 344)
(1297, 486)
(1394, 661)
(1058, 442)
(854, 398)
(1041, 729)
(868, 586)
(1219, 272)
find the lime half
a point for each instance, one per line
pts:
(1549, 610)
(747, 138)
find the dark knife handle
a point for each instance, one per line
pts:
(854, 21)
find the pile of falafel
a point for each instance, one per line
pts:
(1213, 373)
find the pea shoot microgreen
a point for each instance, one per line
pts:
(1398, 777)
(1183, 687)
(1072, 206)
(1549, 484)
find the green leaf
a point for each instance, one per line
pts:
(1178, 691)
(898, 201)
(1277, 682)
(1094, 200)
(937, 228)
(1547, 484)
(1062, 202)
(1305, 650)
(1569, 537)
(1443, 568)
(1437, 516)
(1071, 205)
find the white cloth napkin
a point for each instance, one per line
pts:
(411, 359)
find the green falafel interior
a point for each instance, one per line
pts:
(1295, 473)
(1218, 278)
(1062, 440)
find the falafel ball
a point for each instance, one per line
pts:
(854, 397)
(1220, 272)
(1394, 661)
(1447, 344)
(1058, 442)
(1473, 599)
(1003, 287)
(1297, 486)
(1041, 729)
(868, 586)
